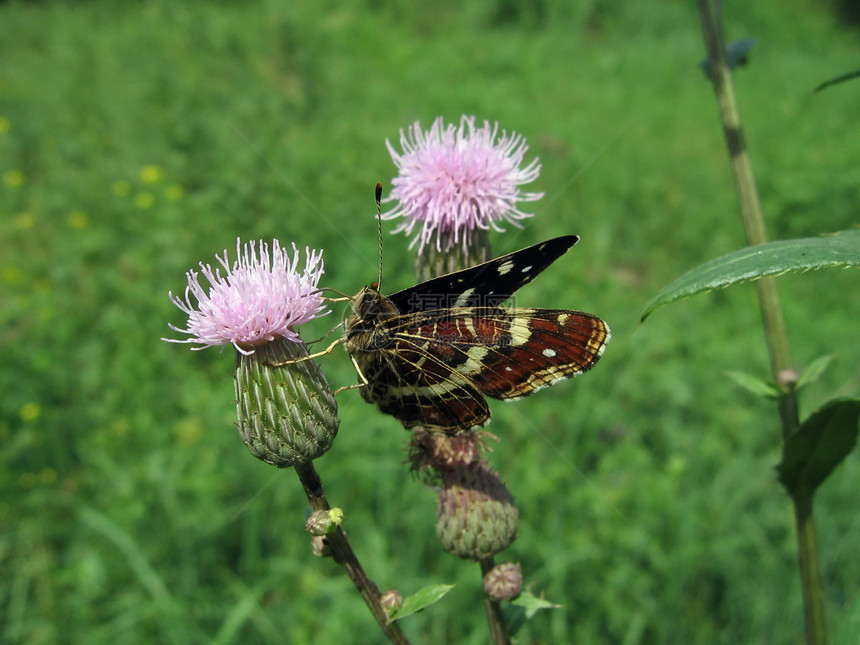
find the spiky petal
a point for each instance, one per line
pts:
(453, 181)
(259, 297)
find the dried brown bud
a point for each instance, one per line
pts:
(320, 546)
(437, 450)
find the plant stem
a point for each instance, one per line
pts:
(772, 314)
(495, 617)
(343, 554)
(809, 571)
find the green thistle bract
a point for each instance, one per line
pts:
(476, 517)
(287, 412)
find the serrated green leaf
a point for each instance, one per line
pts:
(419, 600)
(819, 445)
(532, 604)
(522, 608)
(754, 384)
(814, 370)
(774, 258)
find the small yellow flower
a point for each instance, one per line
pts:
(189, 431)
(24, 221)
(11, 275)
(174, 192)
(144, 199)
(79, 220)
(29, 411)
(151, 174)
(677, 465)
(121, 188)
(27, 480)
(47, 476)
(13, 178)
(4, 124)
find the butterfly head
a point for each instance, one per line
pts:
(369, 310)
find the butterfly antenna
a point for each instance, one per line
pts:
(379, 224)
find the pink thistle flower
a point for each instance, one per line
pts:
(454, 180)
(258, 299)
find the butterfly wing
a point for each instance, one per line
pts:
(533, 349)
(411, 381)
(486, 285)
(441, 363)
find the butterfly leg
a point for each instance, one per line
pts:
(325, 335)
(309, 357)
(348, 387)
(360, 376)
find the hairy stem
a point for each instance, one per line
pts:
(772, 315)
(343, 554)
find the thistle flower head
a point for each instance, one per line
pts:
(258, 298)
(454, 180)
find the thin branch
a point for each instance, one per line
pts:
(343, 554)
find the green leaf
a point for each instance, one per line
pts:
(814, 370)
(819, 445)
(774, 258)
(522, 608)
(754, 384)
(532, 604)
(419, 600)
(839, 79)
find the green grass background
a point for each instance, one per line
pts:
(139, 138)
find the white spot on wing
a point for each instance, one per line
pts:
(464, 298)
(519, 330)
(474, 360)
(526, 269)
(549, 353)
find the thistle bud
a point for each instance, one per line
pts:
(476, 517)
(504, 581)
(324, 522)
(287, 412)
(391, 600)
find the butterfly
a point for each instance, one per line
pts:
(431, 354)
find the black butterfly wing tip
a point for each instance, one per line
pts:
(558, 246)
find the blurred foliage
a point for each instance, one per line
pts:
(140, 138)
